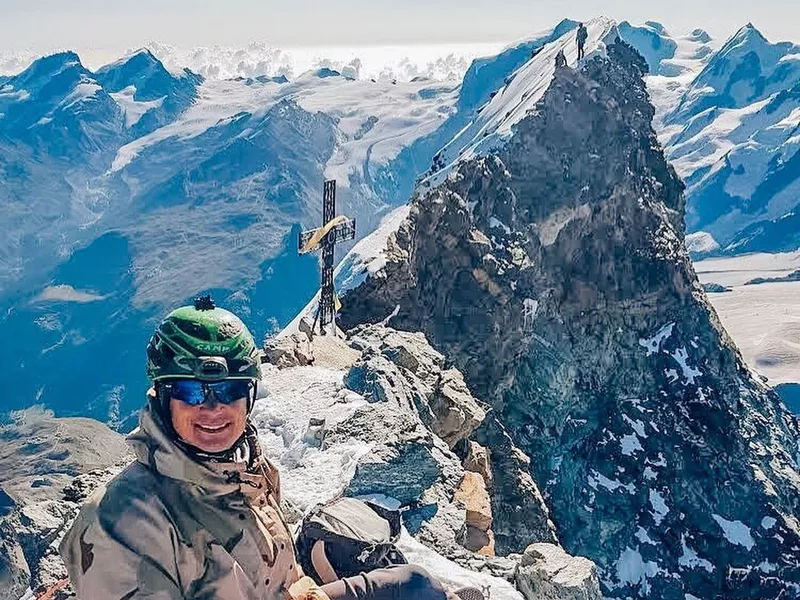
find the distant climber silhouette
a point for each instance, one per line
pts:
(583, 34)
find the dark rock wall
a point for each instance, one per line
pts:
(554, 275)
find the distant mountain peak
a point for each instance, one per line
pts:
(748, 35)
(59, 57)
(145, 51)
(52, 63)
(700, 35)
(565, 25)
(134, 62)
(143, 55)
(656, 26)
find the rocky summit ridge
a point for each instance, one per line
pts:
(553, 273)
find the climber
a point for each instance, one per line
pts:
(561, 60)
(197, 514)
(583, 34)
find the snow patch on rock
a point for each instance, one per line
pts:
(653, 344)
(701, 242)
(735, 532)
(134, 110)
(691, 560)
(690, 373)
(632, 569)
(660, 508)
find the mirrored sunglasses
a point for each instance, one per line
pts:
(194, 392)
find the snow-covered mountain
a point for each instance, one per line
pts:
(148, 94)
(129, 190)
(674, 61)
(734, 136)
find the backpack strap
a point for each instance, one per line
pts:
(322, 566)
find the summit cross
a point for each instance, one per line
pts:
(334, 230)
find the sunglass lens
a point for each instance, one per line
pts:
(189, 391)
(230, 391)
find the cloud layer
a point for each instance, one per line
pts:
(386, 63)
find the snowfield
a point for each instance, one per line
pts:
(377, 119)
(764, 319)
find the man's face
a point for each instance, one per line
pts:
(211, 427)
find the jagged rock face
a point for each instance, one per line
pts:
(404, 377)
(440, 395)
(520, 515)
(554, 275)
(401, 377)
(48, 467)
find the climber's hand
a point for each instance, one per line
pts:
(307, 589)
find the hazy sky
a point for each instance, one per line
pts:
(114, 26)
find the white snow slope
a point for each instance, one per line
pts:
(376, 119)
(733, 132)
(674, 62)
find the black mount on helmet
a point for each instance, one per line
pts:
(204, 303)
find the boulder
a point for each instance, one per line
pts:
(290, 351)
(407, 463)
(477, 540)
(441, 395)
(477, 461)
(457, 412)
(472, 494)
(547, 572)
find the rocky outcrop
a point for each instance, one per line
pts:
(553, 274)
(793, 276)
(290, 351)
(378, 444)
(477, 534)
(48, 467)
(404, 381)
(400, 369)
(410, 465)
(439, 395)
(520, 515)
(546, 572)
(476, 459)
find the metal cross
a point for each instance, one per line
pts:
(333, 231)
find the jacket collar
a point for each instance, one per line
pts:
(158, 452)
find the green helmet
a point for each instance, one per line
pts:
(202, 342)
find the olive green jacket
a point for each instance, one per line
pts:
(169, 527)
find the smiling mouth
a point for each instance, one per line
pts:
(212, 428)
